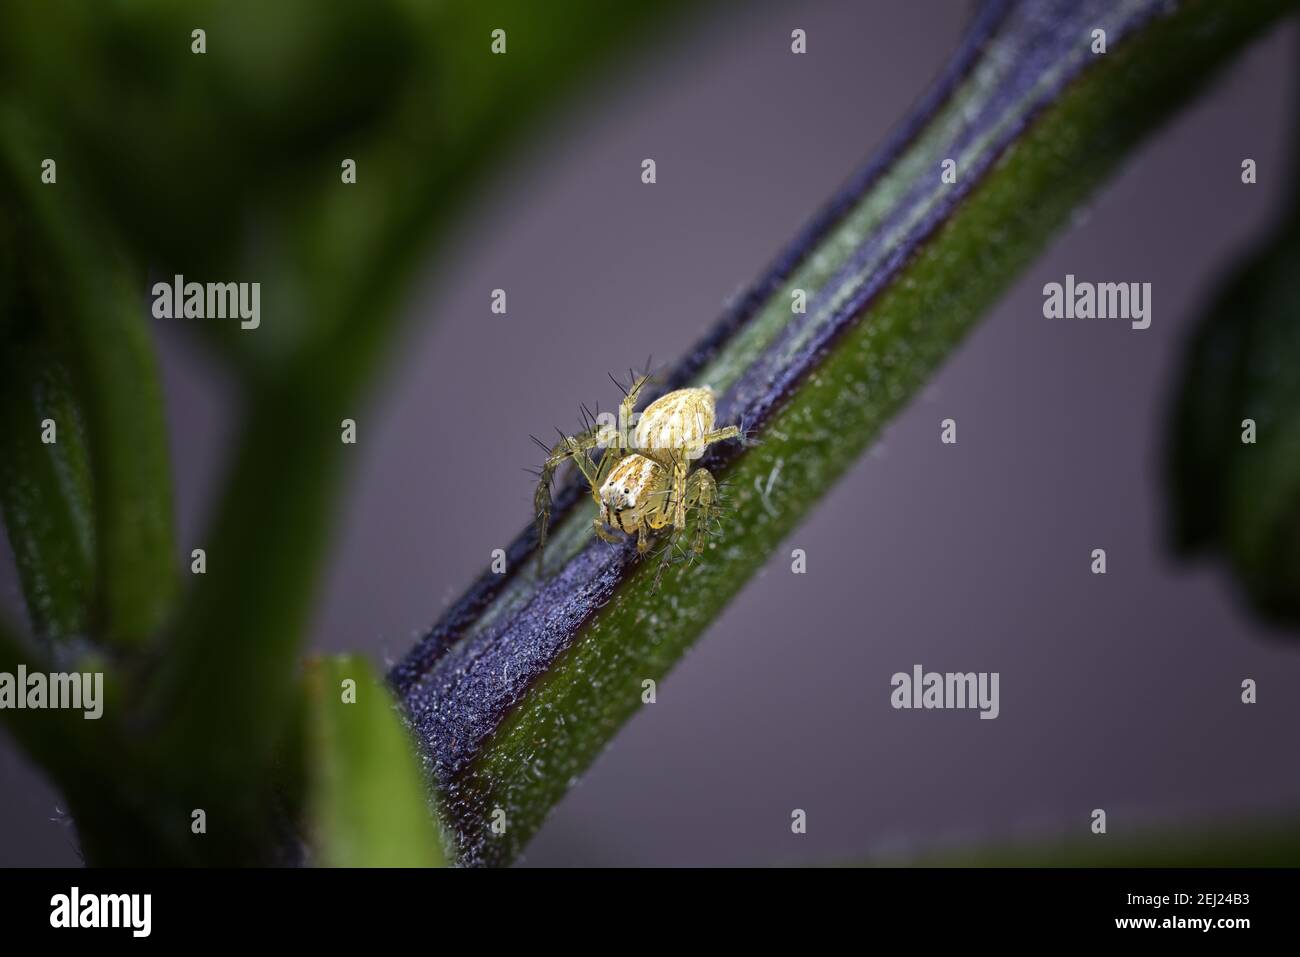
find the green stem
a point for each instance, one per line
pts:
(94, 304)
(45, 486)
(521, 749)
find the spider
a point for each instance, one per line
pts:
(643, 481)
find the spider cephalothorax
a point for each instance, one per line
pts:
(643, 481)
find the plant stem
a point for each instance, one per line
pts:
(525, 680)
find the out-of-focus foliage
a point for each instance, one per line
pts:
(44, 488)
(223, 165)
(73, 297)
(361, 758)
(1234, 462)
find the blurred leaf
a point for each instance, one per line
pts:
(95, 315)
(52, 737)
(1242, 499)
(181, 149)
(528, 677)
(44, 488)
(93, 766)
(369, 805)
(228, 163)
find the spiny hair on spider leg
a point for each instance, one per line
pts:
(658, 552)
(748, 434)
(681, 556)
(678, 547)
(707, 531)
(632, 377)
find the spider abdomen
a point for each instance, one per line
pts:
(675, 423)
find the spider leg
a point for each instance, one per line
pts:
(626, 409)
(681, 465)
(720, 435)
(701, 491)
(608, 459)
(667, 556)
(665, 559)
(574, 447)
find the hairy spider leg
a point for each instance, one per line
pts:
(626, 408)
(681, 464)
(604, 534)
(574, 447)
(701, 492)
(688, 490)
(700, 498)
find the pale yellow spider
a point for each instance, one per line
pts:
(644, 481)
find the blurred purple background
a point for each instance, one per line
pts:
(1119, 692)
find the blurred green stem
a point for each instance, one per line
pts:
(93, 309)
(45, 490)
(368, 804)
